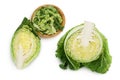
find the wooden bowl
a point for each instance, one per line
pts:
(63, 22)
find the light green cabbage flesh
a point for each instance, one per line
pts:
(25, 45)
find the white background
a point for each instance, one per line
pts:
(104, 13)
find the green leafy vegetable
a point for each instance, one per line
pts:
(84, 45)
(47, 20)
(25, 44)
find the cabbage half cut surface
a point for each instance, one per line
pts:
(84, 45)
(25, 45)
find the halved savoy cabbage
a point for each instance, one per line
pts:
(25, 44)
(84, 45)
